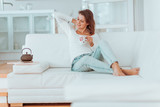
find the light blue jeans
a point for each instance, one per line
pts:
(87, 62)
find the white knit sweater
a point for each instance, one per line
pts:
(76, 48)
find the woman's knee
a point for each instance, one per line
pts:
(87, 59)
(80, 64)
(103, 43)
(82, 68)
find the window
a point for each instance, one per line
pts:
(111, 15)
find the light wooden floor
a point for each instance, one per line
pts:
(3, 92)
(5, 69)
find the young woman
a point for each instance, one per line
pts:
(83, 57)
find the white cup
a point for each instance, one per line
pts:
(82, 40)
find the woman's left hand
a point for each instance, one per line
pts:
(74, 21)
(90, 40)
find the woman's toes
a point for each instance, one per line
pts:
(123, 74)
(135, 71)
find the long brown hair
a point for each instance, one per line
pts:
(89, 19)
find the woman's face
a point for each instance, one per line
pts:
(81, 22)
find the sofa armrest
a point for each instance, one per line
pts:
(29, 69)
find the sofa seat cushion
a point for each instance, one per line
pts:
(51, 78)
(58, 77)
(112, 88)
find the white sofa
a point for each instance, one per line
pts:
(133, 49)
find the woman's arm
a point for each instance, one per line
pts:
(61, 16)
(63, 21)
(64, 17)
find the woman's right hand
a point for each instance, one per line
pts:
(90, 40)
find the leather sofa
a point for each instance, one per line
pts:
(132, 49)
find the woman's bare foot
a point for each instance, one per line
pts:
(133, 71)
(117, 70)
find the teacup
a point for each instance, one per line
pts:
(82, 39)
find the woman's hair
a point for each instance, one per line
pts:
(89, 19)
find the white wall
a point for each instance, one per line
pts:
(65, 6)
(151, 15)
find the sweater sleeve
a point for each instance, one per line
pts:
(63, 22)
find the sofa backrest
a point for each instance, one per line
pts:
(55, 49)
(135, 49)
(147, 55)
(50, 48)
(123, 45)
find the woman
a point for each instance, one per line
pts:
(83, 57)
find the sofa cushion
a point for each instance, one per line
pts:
(51, 78)
(112, 88)
(58, 77)
(147, 55)
(16, 81)
(37, 67)
(49, 48)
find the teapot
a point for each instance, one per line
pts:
(26, 56)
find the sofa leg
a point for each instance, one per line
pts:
(4, 105)
(16, 105)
